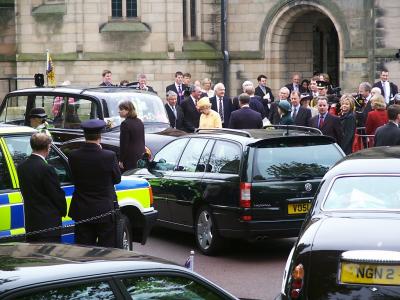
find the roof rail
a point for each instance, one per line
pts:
(131, 87)
(295, 127)
(223, 130)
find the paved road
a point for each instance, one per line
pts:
(247, 270)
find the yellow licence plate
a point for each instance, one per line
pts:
(298, 208)
(370, 274)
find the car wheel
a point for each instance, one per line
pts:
(124, 237)
(207, 237)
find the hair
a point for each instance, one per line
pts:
(188, 75)
(296, 74)
(123, 82)
(305, 80)
(350, 99)
(92, 136)
(284, 90)
(105, 72)
(244, 98)
(366, 86)
(376, 90)
(392, 111)
(322, 98)
(171, 94)
(314, 78)
(178, 73)
(218, 86)
(203, 103)
(193, 88)
(325, 76)
(261, 77)
(247, 83)
(141, 75)
(206, 80)
(378, 102)
(40, 141)
(384, 70)
(128, 105)
(296, 93)
(249, 90)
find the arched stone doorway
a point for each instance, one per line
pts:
(303, 37)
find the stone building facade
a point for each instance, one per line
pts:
(349, 39)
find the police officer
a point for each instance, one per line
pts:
(94, 172)
(44, 200)
(37, 119)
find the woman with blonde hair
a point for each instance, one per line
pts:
(376, 91)
(377, 117)
(206, 85)
(348, 121)
(131, 141)
(208, 118)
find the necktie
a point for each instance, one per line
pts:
(221, 110)
(296, 88)
(294, 113)
(180, 92)
(174, 111)
(321, 121)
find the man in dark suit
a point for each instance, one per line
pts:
(264, 92)
(388, 89)
(300, 115)
(174, 112)
(107, 78)
(245, 117)
(141, 84)
(178, 87)
(222, 104)
(328, 124)
(191, 116)
(44, 200)
(295, 84)
(94, 172)
(389, 134)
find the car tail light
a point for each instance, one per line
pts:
(151, 196)
(296, 283)
(245, 199)
(245, 194)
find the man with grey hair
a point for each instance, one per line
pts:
(174, 111)
(274, 116)
(141, 84)
(44, 200)
(245, 117)
(222, 104)
(295, 84)
(363, 105)
(255, 101)
(191, 116)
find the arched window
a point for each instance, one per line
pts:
(124, 8)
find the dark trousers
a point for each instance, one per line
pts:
(95, 234)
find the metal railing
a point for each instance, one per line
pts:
(363, 140)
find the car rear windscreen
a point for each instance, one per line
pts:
(291, 161)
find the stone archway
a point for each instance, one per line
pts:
(304, 37)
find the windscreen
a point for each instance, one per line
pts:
(292, 161)
(364, 193)
(149, 108)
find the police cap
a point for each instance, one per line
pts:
(37, 112)
(93, 126)
(321, 84)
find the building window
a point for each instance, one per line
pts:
(124, 8)
(191, 18)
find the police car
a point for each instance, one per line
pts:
(134, 195)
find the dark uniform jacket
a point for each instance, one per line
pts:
(393, 88)
(259, 92)
(175, 122)
(191, 116)
(387, 135)
(291, 88)
(349, 128)
(331, 127)
(44, 200)
(94, 172)
(245, 118)
(227, 108)
(131, 142)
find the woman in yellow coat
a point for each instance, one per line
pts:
(208, 118)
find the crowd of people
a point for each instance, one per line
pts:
(351, 119)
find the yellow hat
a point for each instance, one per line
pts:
(203, 102)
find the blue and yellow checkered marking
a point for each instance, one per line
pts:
(12, 209)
